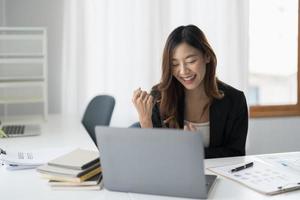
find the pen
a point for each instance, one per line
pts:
(2, 151)
(242, 167)
(2, 134)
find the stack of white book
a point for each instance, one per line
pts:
(78, 169)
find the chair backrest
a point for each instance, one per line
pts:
(135, 125)
(98, 112)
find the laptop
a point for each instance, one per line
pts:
(153, 161)
(19, 130)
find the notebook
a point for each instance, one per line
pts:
(54, 170)
(94, 183)
(95, 180)
(80, 179)
(262, 177)
(97, 186)
(78, 159)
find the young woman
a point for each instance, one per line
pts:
(190, 97)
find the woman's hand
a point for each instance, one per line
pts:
(143, 103)
(189, 127)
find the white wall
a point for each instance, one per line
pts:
(2, 12)
(272, 135)
(45, 13)
(265, 135)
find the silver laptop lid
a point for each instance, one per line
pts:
(153, 161)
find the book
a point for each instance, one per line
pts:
(70, 178)
(78, 159)
(261, 177)
(99, 186)
(54, 170)
(95, 180)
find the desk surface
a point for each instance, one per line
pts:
(68, 132)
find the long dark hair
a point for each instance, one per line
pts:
(170, 90)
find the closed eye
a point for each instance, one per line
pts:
(192, 61)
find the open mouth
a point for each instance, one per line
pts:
(188, 79)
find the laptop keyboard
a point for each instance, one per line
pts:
(13, 129)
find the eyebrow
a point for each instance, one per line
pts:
(189, 56)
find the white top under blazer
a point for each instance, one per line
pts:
(204, 129)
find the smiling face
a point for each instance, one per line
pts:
(189, 66)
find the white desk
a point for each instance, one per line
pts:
(68, 132)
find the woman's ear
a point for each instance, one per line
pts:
(207, 59)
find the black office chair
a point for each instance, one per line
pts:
(135, 125)
(98, 112)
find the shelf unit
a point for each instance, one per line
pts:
(23, 74)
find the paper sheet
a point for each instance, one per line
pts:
(30, 159)
(289, 162)
(261, 177)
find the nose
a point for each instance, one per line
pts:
(183, 68)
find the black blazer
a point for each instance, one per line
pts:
(228, 123)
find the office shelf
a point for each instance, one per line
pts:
(23, 73)
(21, 101)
